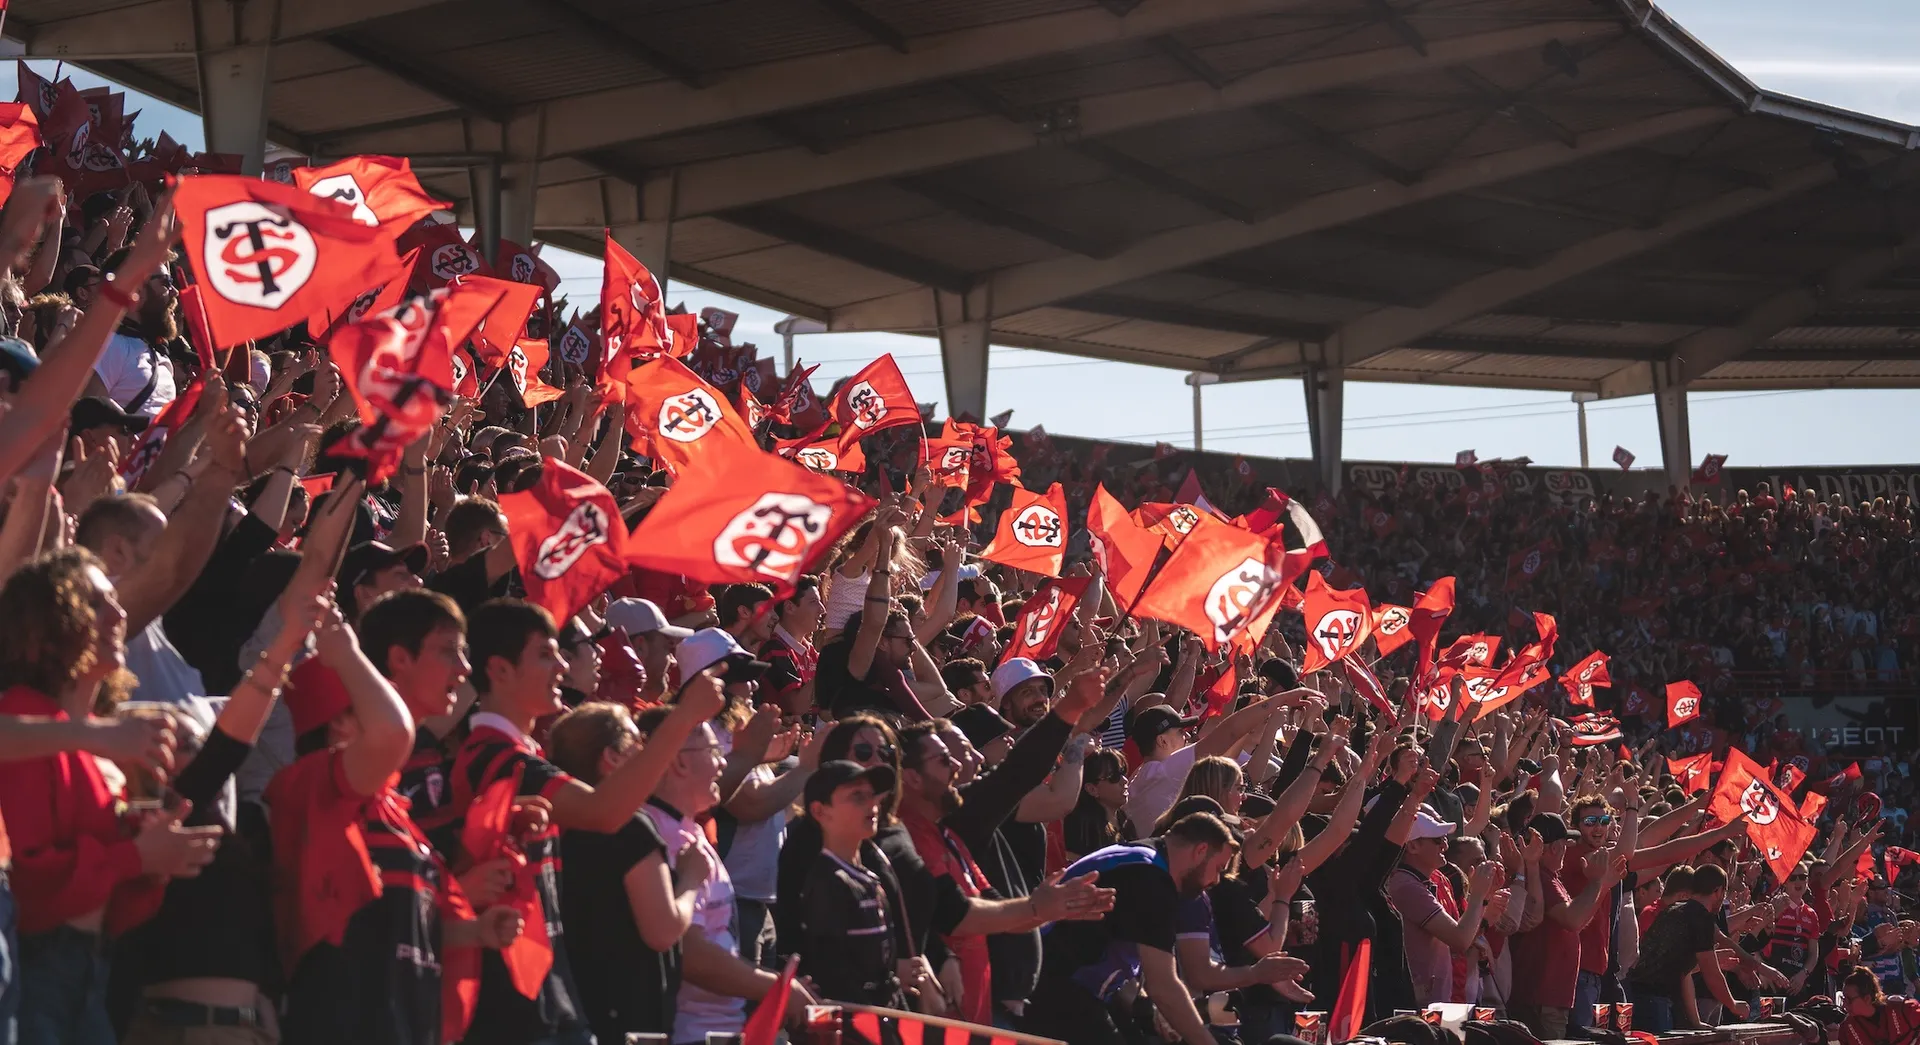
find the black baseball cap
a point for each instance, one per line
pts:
(1151, 722)
(18, 359)
(101, 412)
(1552, 829)
(373, 556)
(834, 775)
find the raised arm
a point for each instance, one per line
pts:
(621, 793)
(193, 529)
(873, 613)
(946, 597)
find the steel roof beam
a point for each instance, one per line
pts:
(430, 83)
(615, 37)
(164, 28)
(970, 206)
(1389, 328)
(1159, 178)
(866, 21)
(849, 246)
(1184, 315)
(1333, 142)
(1031, 285)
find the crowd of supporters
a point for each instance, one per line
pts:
(288, 754)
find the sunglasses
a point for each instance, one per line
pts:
(867, 752)
(1597, 820)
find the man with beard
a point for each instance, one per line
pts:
(966, 907)
(134, 369)
(1086, 962)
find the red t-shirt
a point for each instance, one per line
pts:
(1546, 960)
(1596, 936)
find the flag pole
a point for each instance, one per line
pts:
(942, 1021)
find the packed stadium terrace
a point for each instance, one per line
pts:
(387, 658)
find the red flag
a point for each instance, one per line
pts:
(686, 419)
(576, 345)
(1190, 494)
(1590, 729)
(1044, 617)
(1471, 650)
(38, 93)
(1692, 772)
(1623, 457)
(797, 405)
(633, 318)
(488, 835)
(1683, 703)
(399, 367)
(1125, 549)
(1366, 683)
(1839, 780)
(683, 335)
(1811, 805)
(568, 538)
(19, 136)
(1526, 564)
(1773, 819)
(763, 1027)
(1171, 521)
(1219, 690)
(1301, 537)
(270, 255)
(1390, 628)
(876, 398)
(382, 190)
(1350, 1008)
(522, 265)
(1032, 532)
(946, 461)
(752, 411)
(1709, 471)
(505, 324)
(1897, 858)
(746, 516)
(195, 312)
(374, 299)
(153, 439)
(525, 360)
(825, 456)
(993, 460)
(1582, 677)
(77, 153)
(1337, 622)
(1433, 696)
(1222, 583)
(444, 255)
(1430, 609)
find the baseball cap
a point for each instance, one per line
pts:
(1427, 825)
(18, 359)
(1016, 671)
(373, 556)
(315, 696)
(1280, 674)
(709, 646)
(642, 617)
(1151, 722)
(980, 724)
(101, 412)
(834, 775)
(1552, 829)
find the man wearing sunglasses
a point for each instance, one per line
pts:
(134, 369)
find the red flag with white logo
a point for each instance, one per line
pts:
(1430, 610)
(797, 405)
(525, 362)
(19, 136)
(993, 461)
(1045, 615)
(825, 456)
(399, 367)
(1222, 583)
(1683, 703)
(1623, 457)
(633, 318)
(1337, 622)
(1125, 550)
(947, 462)
(505, 324)
(1032, 532)
(1527, 563)
(381, 190)
(746, 516)
(524, 265)
(444, 256)
(568, 538)
(153, 439)
(376, 298)
(1709, 471)
(1391, 628)
(1693, 773)
(1773, 819)
(269, 255)
(685, 418)
(1580, 679)
(875, 399)
(1591, 729)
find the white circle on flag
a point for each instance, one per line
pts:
(1758, 801)
(1037, 526)
(256, 255)
(347, 190)
(1237, 595)
(774, 536)
(689, 415)
(586, 527)
(1334, 631)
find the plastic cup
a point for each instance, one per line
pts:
(1603, 1015)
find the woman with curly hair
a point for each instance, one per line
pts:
(79, 871)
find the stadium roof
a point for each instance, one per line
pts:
(1556, 194)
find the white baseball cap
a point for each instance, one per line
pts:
(641, 617)
(1427, 825)
(709, 646)
(1016, 671)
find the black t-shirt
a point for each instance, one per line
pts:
(1237, 919)
(210, 623)
(1678, 933)
(1100, 955)
(835, 688)
(625, 985)
(846, 935)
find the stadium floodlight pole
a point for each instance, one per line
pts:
(1580, 401)
(792, 325)
(1198, 379)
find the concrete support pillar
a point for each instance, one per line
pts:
(234, 42)
(484, 182)
(1325, 389)
(521, 139)
(650, 239)
(966, 322)
(1676, 437)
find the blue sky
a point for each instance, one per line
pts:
(1859, 55)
